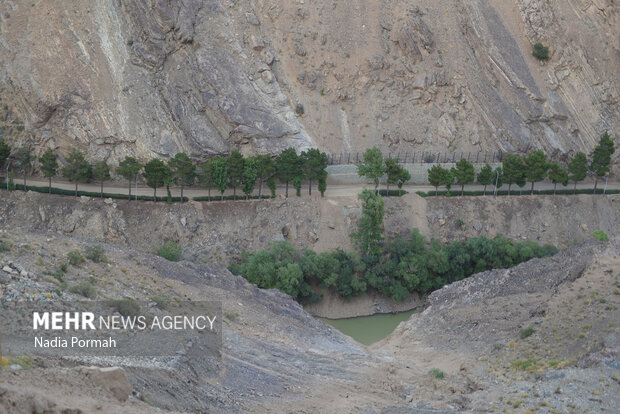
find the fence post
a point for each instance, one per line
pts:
(349, 158)
(340, 159)
(406, 154)
(477, 155)
(357, 157)
(413, 158)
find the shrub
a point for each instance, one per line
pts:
(4, 246)
(540, 52)
(600, 235)
(299, 109)
(459, 223)
(84, 288)
(126, 306)
(437, 373)
(75, 257)
(527, 332)
(161, 302)
(170, 250)
(96, 253)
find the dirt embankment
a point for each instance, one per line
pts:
(218, 232)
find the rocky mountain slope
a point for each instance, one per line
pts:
(277, 358)
(149, 78)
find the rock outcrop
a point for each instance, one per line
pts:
(150, 78)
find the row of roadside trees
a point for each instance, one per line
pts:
(532, 168)
(221, 172)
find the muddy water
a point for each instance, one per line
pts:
(369, 329)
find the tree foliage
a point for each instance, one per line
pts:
(464, 173)
(396, 174)
(536, 167)
(76, 169)
(601, 158)
(49, 166)
(557, 174)
(313, 164)
(437, 175)
(101, 173)
(220, 174)
(235, 170)
(288, 166)
(5, 152)
(578, 168)
(129, 168)
(486, 176)
(540, 52)
(369, 233)
(156, 173)
(250, 175)
(182, 170)
(372, 166)
(513, 171)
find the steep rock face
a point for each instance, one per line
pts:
(155, 77)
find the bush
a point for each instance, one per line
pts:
(170, 250)
(161, 302)
(126, 307)
(540, 52)
(514, 193)
(600, 235)
(84, 288)
(437, 373)
(96, 253)
(4, 246)
(299, 109)
(527, 332)
(75, 257)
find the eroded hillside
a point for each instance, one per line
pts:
(150, 78)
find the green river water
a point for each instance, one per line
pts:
(369, 329)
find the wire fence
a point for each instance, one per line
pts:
(420, 157)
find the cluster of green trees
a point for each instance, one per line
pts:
(394, 268)
(234, 171)
(531, 168)
(374, 168)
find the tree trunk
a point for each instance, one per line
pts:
(234, 193)
(286, 192)
(222, 197)
(554, 187)
(462, 192)
(260, 190)
(310, 187)
(485, 190)
(436, 190)
(575, 188)
(387, 194)
(49, 187)
(209, 192)
(595, 183)
(509, 185)
(24, 180)
(155, 194)
(181, 193)
(102, 189)
(532, 189)
(76, 184)
(129, 190)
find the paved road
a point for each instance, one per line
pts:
(333, 190)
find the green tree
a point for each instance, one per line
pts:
(513, 170)
(448, 179)
(76, 169)
(183, 170)
(271, 184)
(101, 173)
(5, 151)
(396, 174)
(372, 166)
(601, 158)
(297, 184)
(250, 175)
(287, 166)
(464, 173)
(578, 169)
(157, 174)
(129, 168)
(536, 167)
(313, 163)
(235, 171)
(369, 235)
(557, 174)
(205, 176)
(220, 174)
(540, 52)
(49, 166)
(486, 177)
(24, 159)
(323, 183)
(437, 176)
(266, 168)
